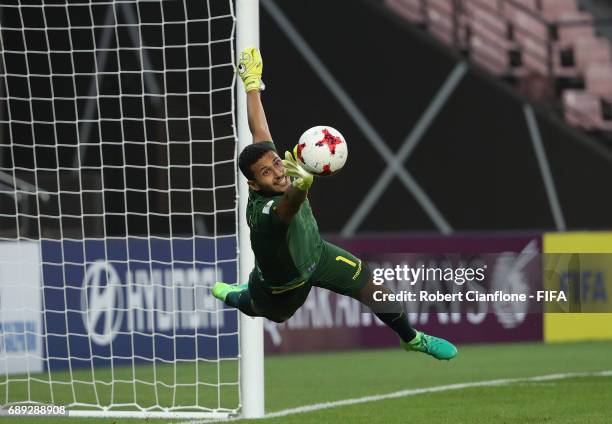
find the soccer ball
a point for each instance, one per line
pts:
(321, 150)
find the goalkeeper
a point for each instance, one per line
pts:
(290, 256)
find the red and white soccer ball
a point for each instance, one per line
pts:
(322, 150)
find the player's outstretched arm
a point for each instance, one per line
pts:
(293, 198)
(290, 204)
(257, 118)
(250, 69)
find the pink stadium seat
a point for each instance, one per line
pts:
(408, 9)
(529, 4)
(569, 33)
(517, 12)
(489, 5)
(488, 20)
(584, 110)
(491, 27)
(532, 35)
(598, 79)
(553, 10)
(441, 28)
(535, 56)
(440, 20)
(488, 56)
(528, 25)
(592, 50)
(445, 7)
(586, 51)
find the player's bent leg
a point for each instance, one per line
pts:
(344, 273)
(259, 299)
(393, 314)
(278, 307)
(239, 297)
(277, 319)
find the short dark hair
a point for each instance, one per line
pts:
(251, 154)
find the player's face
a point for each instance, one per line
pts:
(269, 174)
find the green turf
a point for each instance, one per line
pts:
(297, 380)
(579, 401)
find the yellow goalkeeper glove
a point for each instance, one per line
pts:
(303, 179)
(250, 68)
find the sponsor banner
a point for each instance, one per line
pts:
(20, 305)
(507, 284)
(585, 279)
(329, 321)
(579, 263)
(137, 299)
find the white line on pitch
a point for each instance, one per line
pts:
(414, 392)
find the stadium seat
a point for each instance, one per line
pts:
(489, 56)
(445, 7)
(440, 20)
(531, 33)
(528, 4)
(584, 110)
(494, 31)
(552, 10)
(489, 44)
(488, 5)
(486, 22)
(584, 52)
(527, 25)
(407, 9)
(569, 32)
(592, 50)
(490, 28)
(598, 79)
(534, 56)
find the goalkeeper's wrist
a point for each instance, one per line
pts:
(252, 84)
(303, 183)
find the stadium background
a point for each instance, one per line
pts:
(475, 163)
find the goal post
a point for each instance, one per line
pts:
(251, 329)
(120, 125)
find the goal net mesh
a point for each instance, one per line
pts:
(117, 205)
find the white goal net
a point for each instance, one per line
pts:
(118, 206)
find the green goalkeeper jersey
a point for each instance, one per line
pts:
(285, 254)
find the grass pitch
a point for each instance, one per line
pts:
(297, 380)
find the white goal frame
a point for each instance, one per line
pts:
(251, 329)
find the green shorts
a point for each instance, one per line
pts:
(337, 270)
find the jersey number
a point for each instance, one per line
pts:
(351, 263)
(346, 261)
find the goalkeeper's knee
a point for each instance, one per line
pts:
(279, 316)
(278, 320)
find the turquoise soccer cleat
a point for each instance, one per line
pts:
(221, 290)
(434, 346)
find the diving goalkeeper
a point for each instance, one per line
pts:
(290, 256)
